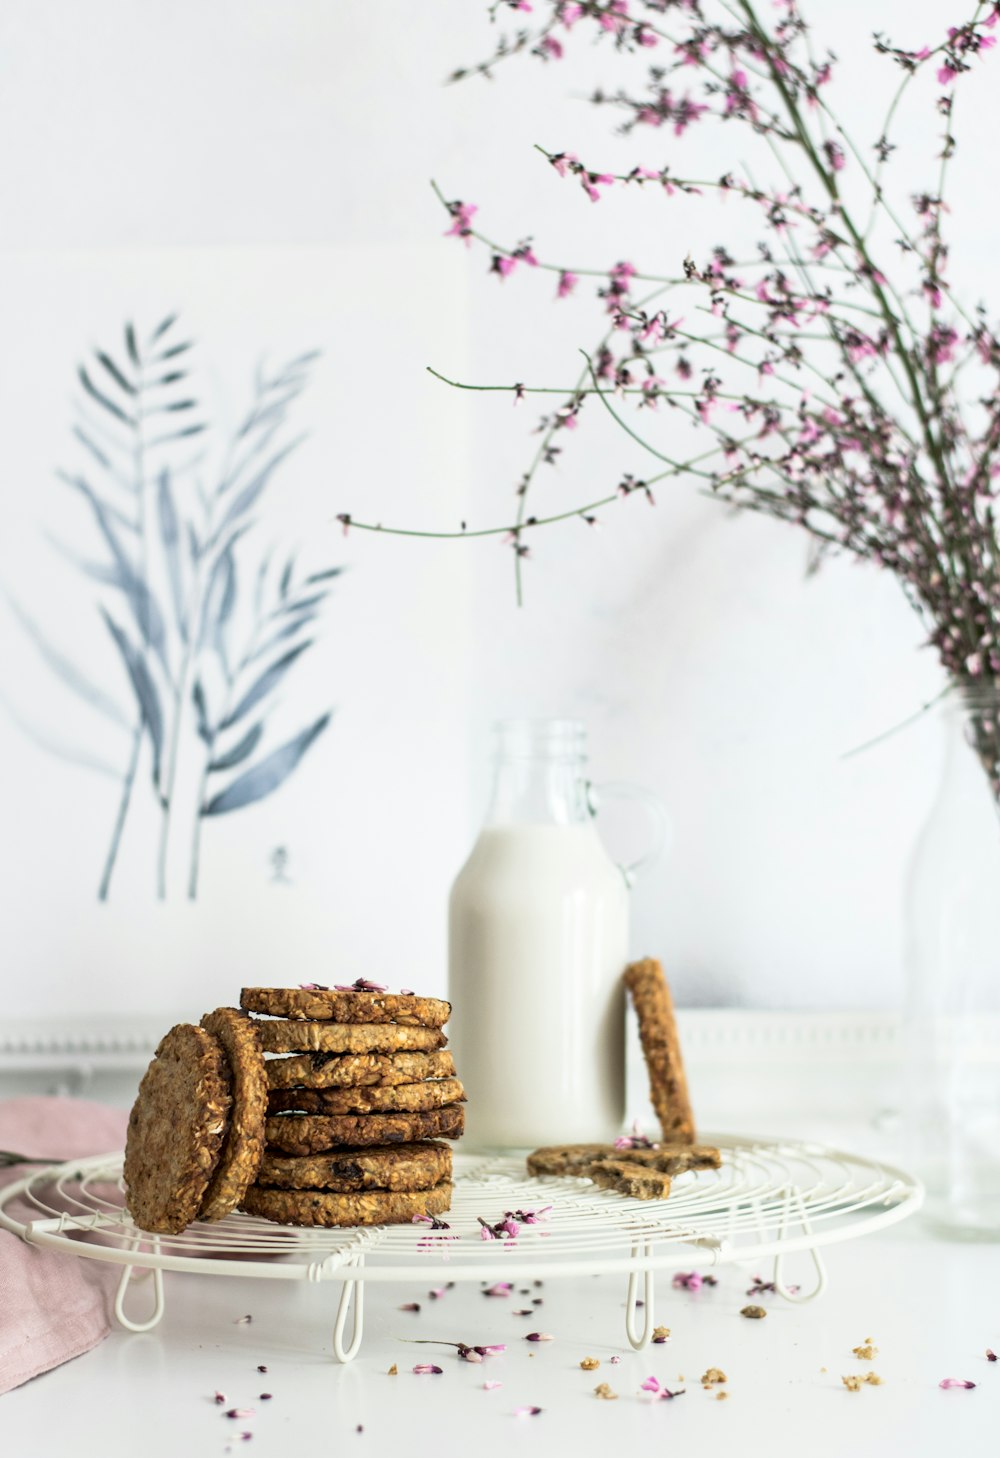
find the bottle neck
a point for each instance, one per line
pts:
(972, 716)
(539, 774)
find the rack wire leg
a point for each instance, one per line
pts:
(128, 1278)
(352, 1293)
(798, 1297)
(639, 1341)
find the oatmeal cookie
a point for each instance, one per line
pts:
(400, 1167)
(567, 1159)
(357, 1070)
(244, 1142)
(314, 1133)
(176, 1129)
(661, 1048)
(318, 1207)
(396, 1098)
(290, 1036)
(633, 1180)
(322, 1004)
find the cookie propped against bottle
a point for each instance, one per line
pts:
(661, 1047)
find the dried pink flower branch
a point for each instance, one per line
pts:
(836, 378)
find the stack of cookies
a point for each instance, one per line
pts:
(360, 1094)
(343, 1127)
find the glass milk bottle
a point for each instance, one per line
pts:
(538, 940)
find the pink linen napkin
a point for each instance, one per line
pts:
(52, 1306)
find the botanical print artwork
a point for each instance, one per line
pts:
(207, 614)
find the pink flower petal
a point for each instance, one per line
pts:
(422, 1368)
(955, 1382)
(491, 1386)
(499, 1288)
(538, 1336)
(527, 1411)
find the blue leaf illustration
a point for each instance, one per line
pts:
(145, 608)
(102, 399)
(243, 501)
(325, 576)
(177, 434)
(300, 605)
(170, 537)
(115, 373)
(174, 351)
(106, 573)
(201, 710)
(264, 778)
(65, 669)
(93, 448)
(42, 738)
(220, 594)
(145, 690)
(226, 594)
(291, 369)
(240, 751)
(284, 635)
(263, 685)
(286, 578)
(162, 328)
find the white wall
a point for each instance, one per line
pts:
(706, 665)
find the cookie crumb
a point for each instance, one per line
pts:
(713, 1377)
(590, 1364)
(603, 1391)
(393, 1371)
(866, 1352)
(822, 1369)
(661, 1333)
(754, 1312)
(721, 1396)
(857, 1380)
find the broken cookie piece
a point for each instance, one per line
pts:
(626, 1178)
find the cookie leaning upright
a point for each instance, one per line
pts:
(244, 1146)
(662, 1049)
(176, 1129)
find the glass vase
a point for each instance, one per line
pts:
(953, 967)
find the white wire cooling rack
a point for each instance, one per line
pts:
(769, 1198)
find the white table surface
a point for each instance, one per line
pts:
(932, 1307)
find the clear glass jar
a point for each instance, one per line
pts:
(538, 940)
(953, 968)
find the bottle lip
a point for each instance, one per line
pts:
(540, 738)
